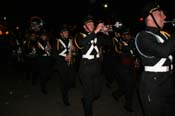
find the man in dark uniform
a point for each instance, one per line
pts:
(107, 53)
(90, 73)
(43, 61)
(29, 46)
(155, 48)
(62, 53)
(126, 80)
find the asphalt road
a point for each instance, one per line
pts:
(19, 98)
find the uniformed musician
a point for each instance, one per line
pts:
(89, 43)
(63, 52)
(155, 49)
(43, 60)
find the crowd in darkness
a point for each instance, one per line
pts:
(34, 49)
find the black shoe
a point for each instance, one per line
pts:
(34, 83)
(115, 97)
(108, 85)
(96, 98)
(44, 91)
(66, 103)
(128, 109)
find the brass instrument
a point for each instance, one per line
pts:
(172, 22)
(72, 53)
(36, 23)
(117, 25)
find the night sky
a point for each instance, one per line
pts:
(71, 10)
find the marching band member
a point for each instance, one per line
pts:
(63, 51)
(89, 42)
(155, 49)
(43, 60)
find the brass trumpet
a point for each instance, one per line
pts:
(173, 22)
(117, 25)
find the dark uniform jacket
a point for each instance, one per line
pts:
(153, 45)
(91, 44)
(61, 47)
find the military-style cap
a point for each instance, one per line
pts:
(87, 19)
(149, 8)
(63, 28)
(125, 30)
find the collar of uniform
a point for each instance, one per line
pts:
(153, 29)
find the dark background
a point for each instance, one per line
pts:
(60, 11)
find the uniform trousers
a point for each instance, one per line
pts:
(65, 77)
(44, 66)
(126, 85)
(156, 92)
(92, 81)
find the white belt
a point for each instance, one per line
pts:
(156, 69)
(90, 57)
(45, 55)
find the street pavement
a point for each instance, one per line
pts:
(18, 97)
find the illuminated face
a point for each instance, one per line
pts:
(64, 34)
(44, 37)
(89, 26)
(33, 36)
(159, 17)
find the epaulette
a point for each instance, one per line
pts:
(165, 33)
(58, 45)
(83, 34)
